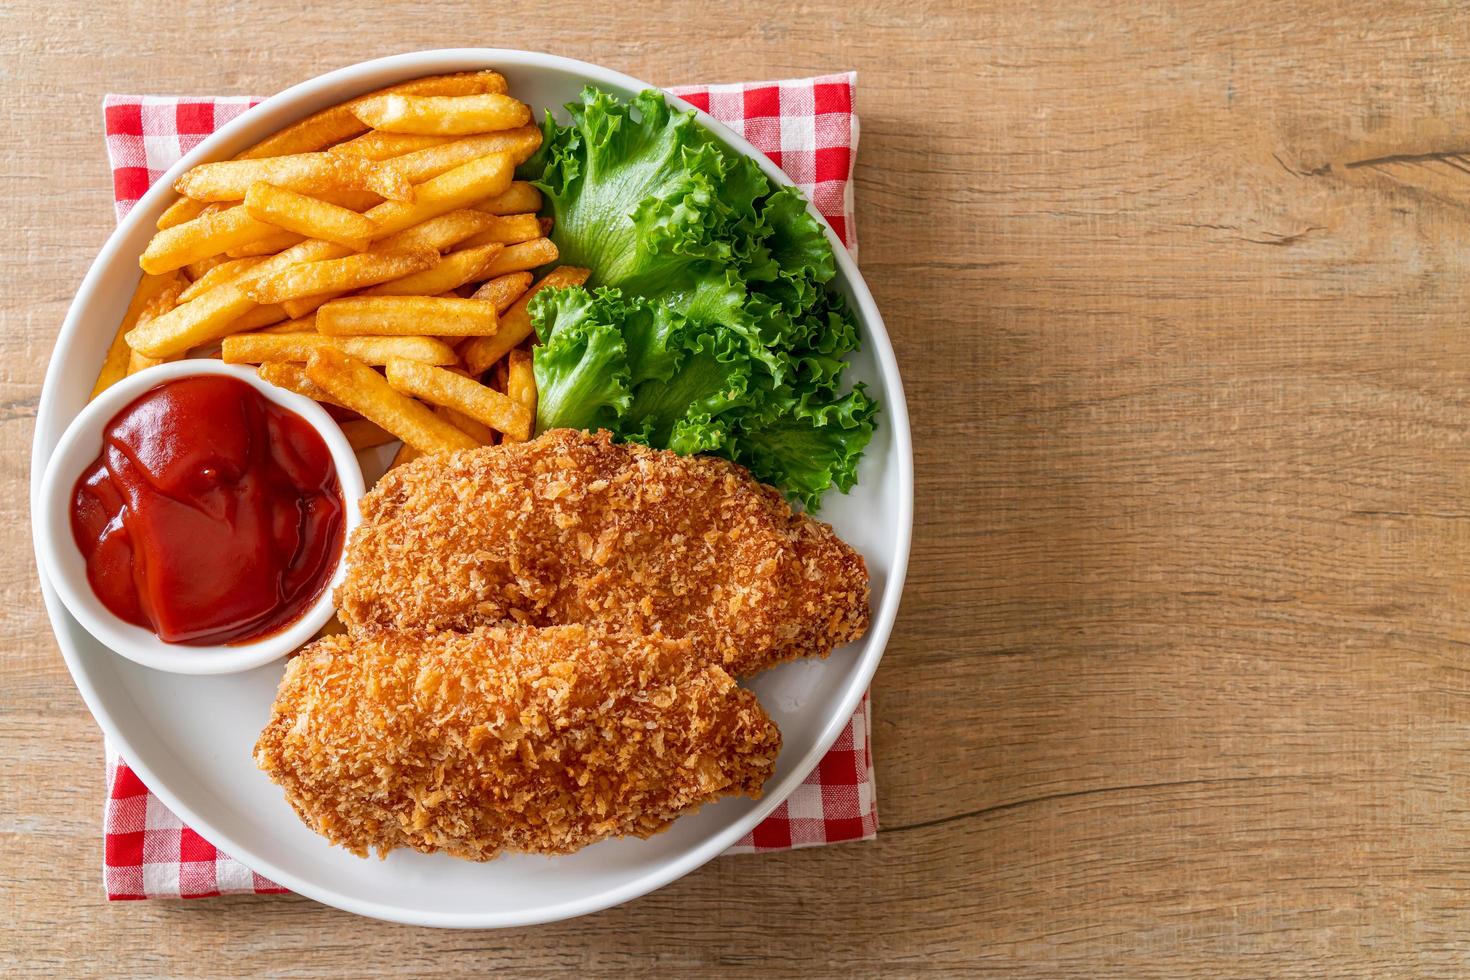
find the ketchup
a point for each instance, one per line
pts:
(212, 515)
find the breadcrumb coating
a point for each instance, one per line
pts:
(541, 740)
(572, 528)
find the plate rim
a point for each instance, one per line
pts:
(895, 412)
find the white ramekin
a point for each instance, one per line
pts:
(67, 569)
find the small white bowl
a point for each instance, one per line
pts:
(67, 569)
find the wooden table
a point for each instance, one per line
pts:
(1180, 683)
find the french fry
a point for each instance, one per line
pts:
(161, 303)
(374, 145)
(115, 364)
(452, 271)
(441, 233)
(405, 454)
(405, 316)
(270, 245)
(206, 318)
(480, 178)
(292, 376)
(473, 428)
(352, 200)
(423, 164)
(142, 362)
(502, 291)
(257, 348)
(300, 324)
(510, 229)
(362, 434)
(306, 306)
(230, 270)
(518, 198)
(498, 375)
(515, 325)
(322, 129)
(349, 272)
(207, 235)
(308, 216)
(197, 270)
(310, 173)
(259, 318)
(461, 394)
(360, 388)
(184, 209)
(311, 250)
(523, 257)
(520, 384)
(439, 115)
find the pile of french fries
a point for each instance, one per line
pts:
(386, 232)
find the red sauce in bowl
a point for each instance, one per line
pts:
(211, 516)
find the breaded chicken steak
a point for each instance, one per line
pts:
(541, 740)
(571, 528)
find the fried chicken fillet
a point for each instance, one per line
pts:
(571, 528)
(514, 738)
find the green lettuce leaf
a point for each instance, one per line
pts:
(808, 451)
(707, 324)
(581, 367)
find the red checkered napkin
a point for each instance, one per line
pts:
(807, 127)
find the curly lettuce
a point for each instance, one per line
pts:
(707, 325)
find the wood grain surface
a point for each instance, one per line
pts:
(1181, 684)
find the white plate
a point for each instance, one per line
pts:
(190, 738)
